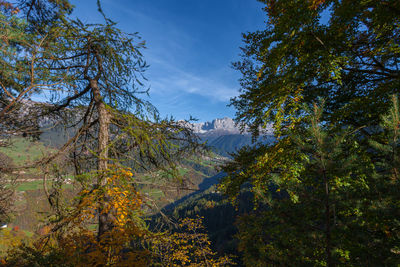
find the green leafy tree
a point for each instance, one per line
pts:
(346, 52)
(317, 182)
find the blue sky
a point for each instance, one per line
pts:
(190, 47)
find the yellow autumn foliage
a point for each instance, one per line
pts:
(75, 240)
(187, 246)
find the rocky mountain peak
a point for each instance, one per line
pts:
(222, 124)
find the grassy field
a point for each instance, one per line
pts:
(36, 185)
(32, 205)
(22, 151)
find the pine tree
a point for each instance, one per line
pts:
(305, 181)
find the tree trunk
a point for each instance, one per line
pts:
(105, 220)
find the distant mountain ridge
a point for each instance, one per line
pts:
(222, 126)
(225, 137)
(225, 124)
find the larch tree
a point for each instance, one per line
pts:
(17, 82)
(93, 76)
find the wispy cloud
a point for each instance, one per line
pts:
(189, 52)
(176, 80)
(170, 50)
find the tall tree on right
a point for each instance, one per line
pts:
(329, 180)
(344, 51)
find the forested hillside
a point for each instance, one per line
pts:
(307, 174)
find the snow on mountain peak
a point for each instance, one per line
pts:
(226, 125)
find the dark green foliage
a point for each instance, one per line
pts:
(308, 184)
(331, 167)
(382, 205)
(333, 203)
